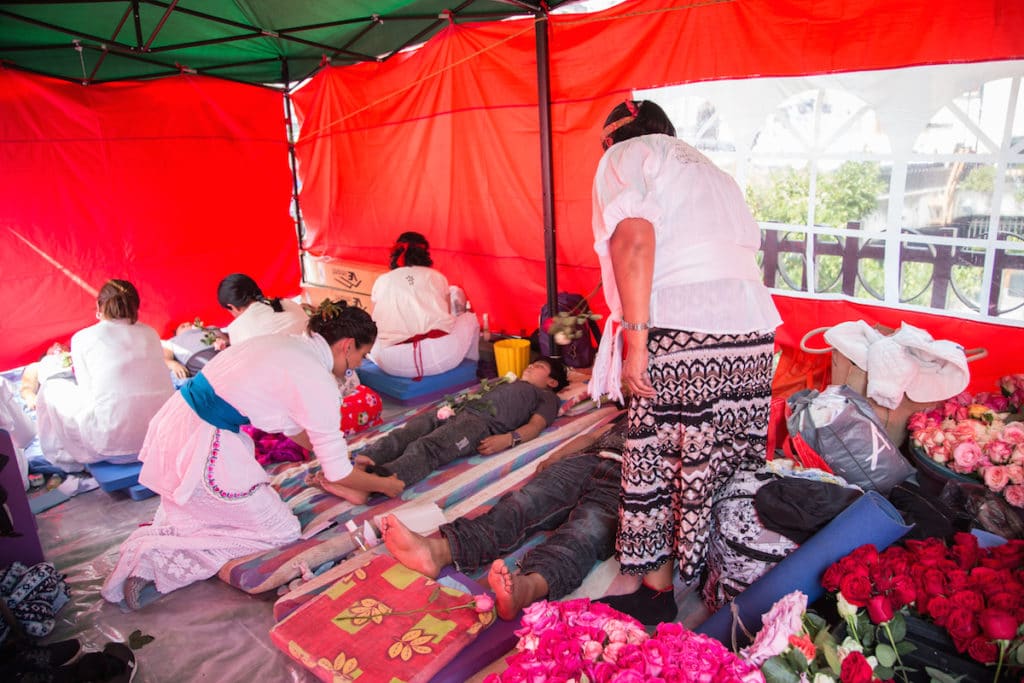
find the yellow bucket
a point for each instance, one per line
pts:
(512, 355)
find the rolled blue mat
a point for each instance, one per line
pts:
(869, 519)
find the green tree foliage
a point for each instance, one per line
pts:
(847, 194)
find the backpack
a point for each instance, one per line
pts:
(580, 352)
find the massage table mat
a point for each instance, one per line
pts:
(407, 390)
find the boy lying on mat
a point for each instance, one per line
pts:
(575, 492)
(508, 415)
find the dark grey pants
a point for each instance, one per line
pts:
(424, 444)
(577, 497)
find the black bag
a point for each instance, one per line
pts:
(579, 353)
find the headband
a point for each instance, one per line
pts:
(118, 286)
(634, 111)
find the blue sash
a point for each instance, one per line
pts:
(210, 407)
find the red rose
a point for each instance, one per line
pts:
(855, 669)
(957, 580)
(856, 588)
(928, 552)
(982, 650)
(903, 591)
(969, 600)
(933, 582)
(865, 555)
(939, 608)
(882, 578)
(1010, 599)
(830, 579)
(1009, 555)
(988, 580)
(880, 609)
(997, 624)
(965, 550)
(961, 624)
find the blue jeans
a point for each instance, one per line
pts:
(424, 444)
(578, 497)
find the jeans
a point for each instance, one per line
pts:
(424, 444)
(578, 497)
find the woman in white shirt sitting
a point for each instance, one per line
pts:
(418, 332)
(120, 382)
(256, 315)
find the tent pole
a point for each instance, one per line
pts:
(300, 228)
(547, 181)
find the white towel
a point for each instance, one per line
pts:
(852, 339)
(890, 372)
(941, 365)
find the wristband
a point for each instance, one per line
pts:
(636, 327)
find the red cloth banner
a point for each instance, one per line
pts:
(171, 184)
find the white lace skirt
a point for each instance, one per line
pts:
(224, 518)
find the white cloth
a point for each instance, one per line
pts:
(908, 362)
(410, 301)
(259, 319)
(706, 277)
(14, 421)
(436, 355)
(120, 383)
(282, 383)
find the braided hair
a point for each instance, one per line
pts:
(335, 320)
(118, 300)
(240, 290)
(411, 249)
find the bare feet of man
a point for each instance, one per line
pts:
(427, 555)
(513, 592)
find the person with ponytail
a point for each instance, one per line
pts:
(119, 383)
(421, 332)
(678, 252)
(255, 314)
(216, 500)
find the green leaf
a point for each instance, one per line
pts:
(137, 640)
(796, 659)
(815, 624)
(898, 626)
(884, 672)
(435, 594)
(886, 655)
(905, 647)
(831, 655)
(776, 670)
(938, 676)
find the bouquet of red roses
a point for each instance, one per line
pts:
(976, 594)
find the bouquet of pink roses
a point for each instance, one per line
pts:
(579, 640)
(970, 435)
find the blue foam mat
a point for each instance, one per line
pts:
(113, 477)
(405, 390)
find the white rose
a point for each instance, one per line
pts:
(510, 376)
(822, 678)
(561, 338)
(846, 610)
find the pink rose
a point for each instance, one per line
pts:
(592, 650)
(966, 457)
(784, 619)
(1014, 433)
(1014, 495)
(999, 452)
(1018, 455)
(1015, 473)
(996, 478)
(611, 652)
(941, 453)
(445, 412)
(483, 603)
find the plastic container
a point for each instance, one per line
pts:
(512, 355)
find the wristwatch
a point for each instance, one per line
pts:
(516, 438)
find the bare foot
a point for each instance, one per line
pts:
(513, 592)
(352, 495)
(391, 486)
(424, 554)
(362, 461)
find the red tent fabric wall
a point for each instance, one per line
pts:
(446, 140)
(171, 184)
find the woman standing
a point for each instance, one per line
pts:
(677, 247)
(256, 315)
(120, 382)
(420, 334)
(217, 503)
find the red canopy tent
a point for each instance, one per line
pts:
(175, 182)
